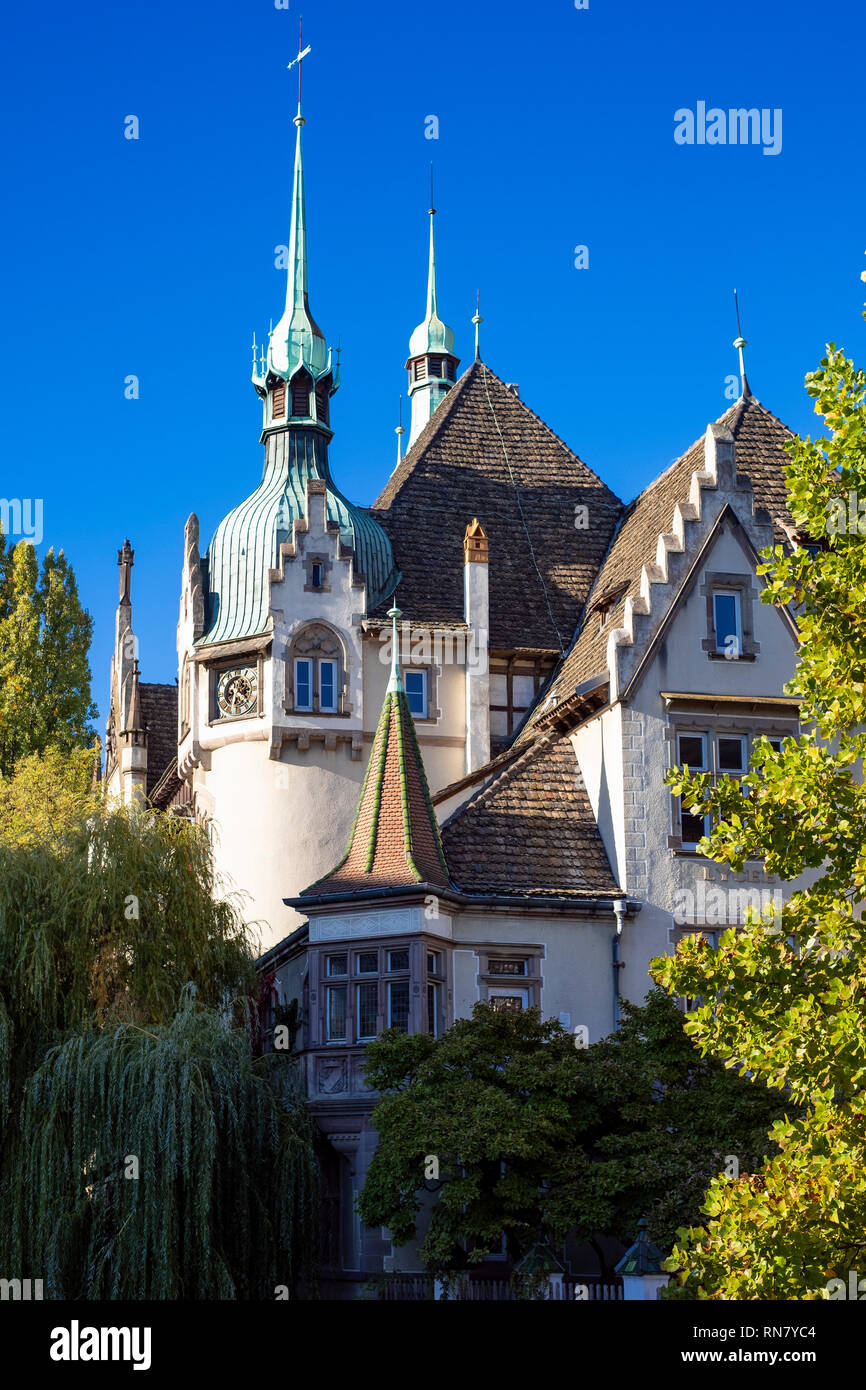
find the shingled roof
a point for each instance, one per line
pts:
(484, 453)
(760, 454)
(159, 717)
(530, 832)
(395, 839)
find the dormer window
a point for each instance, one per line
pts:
(604, 605)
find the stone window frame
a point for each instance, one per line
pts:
(742, 584)
(218, 669)
(416, 974)
(714, 727)
(293, 654)
(327, 566)
(530, 984)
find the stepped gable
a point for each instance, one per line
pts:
(759, 438)
(530, 832)
(159, 718)
(456, 470)
(395, 838)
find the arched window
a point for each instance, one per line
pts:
(322, 401)
(316, 672)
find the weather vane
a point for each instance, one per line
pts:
(302, 53)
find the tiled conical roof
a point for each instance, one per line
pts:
(395, 838)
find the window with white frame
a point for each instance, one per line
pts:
(731, 600)
(727, 621)
(316, 672)
(435, 993)
(328, 686)
(722, 754)
(415, 685)
(304, 668)
(692, 753)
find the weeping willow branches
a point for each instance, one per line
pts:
(144, 1152)
(160, 1163)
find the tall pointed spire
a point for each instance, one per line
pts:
(739, 343)
(399, 431)
(432, 365)
(297, 341)
(477, 321)
(395, 839)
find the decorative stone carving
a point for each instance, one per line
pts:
(193, 566)
(332, 1075)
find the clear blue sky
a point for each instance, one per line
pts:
(155, 257)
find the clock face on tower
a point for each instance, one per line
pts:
(237, 690)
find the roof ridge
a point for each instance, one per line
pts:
(551, 431)
(748, 403)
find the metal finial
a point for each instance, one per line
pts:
(739, 343)
(396, 681)
(302, 53)
(477, 320)
(254, 354)
(399, 431)
(432, 207)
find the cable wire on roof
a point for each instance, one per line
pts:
(522, 514)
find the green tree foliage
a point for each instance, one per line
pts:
(535, 1137)
(786, 997)
(44, 673)
(126, 987)
(49, 796)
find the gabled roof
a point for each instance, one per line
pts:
(530, 832)
(159, 718)
(759, 438)
(395, 839)
(484, 453)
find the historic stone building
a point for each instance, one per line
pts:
(493, 754)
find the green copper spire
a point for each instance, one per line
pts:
(431, 363)
(297, 341)
(432, 335)
(296, 433)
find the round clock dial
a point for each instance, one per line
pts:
(237, 690)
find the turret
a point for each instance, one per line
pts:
(431, 364)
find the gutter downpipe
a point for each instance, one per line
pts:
(619, 912)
